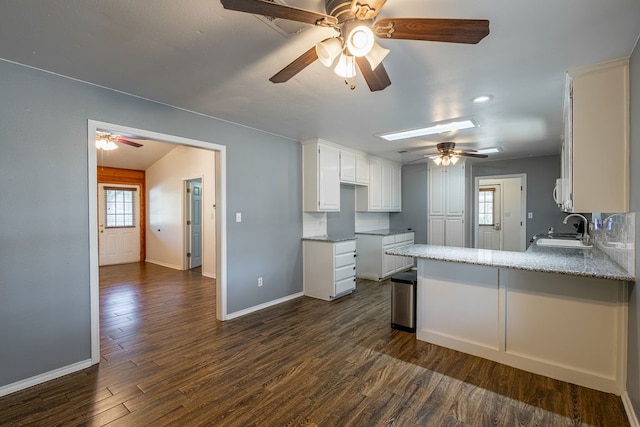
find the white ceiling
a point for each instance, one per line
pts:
(195, 55)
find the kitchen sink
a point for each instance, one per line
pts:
(563, 243)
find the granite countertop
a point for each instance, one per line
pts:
(330, 238)
(385, 232)
(578, 262)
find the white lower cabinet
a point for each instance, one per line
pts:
(570, 328)
(329, 268)
(374, 263)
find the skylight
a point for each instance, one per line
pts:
(440, 127)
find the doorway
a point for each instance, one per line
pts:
(499, 212)
(220, 218)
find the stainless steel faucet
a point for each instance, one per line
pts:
(585, 235)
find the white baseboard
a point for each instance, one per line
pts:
(209, 275)
(164, 264)
(628, 408)
(47, 376)
(237, 314)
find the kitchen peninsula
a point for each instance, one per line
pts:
(561, 313)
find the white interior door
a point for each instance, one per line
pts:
(118, 224)
(194, 222)
(490, 216)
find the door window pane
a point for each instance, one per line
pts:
(485, 206)
(120, 207)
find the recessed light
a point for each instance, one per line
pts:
(440, 127)
(482, 99)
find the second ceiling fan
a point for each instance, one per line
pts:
(355, 22)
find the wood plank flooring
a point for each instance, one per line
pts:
(166, 360)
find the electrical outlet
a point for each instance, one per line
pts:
(259, 281)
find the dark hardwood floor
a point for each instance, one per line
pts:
(166, 360)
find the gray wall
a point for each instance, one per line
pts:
(343, 223)
(541, 178)
(414, 202)
(633, 356)
(44, 232)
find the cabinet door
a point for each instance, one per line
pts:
(347, 167)
(329, 179)
(436, 191)
(375, 184)
(362, 170)
(454, 190)
(396, 188)
(389, 261)
(454, 231)
(387, 176)
(435, 232)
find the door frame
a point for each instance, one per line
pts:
(523, 205)
(221, 225)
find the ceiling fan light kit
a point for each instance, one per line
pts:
(376, 55)
(105, 144)
(328, 50)
(359, 38)
(355, 21)
(346, 66)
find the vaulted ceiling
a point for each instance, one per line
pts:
(196, 55)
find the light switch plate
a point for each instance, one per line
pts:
(238, 217)
(530, 215)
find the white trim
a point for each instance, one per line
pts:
(221, 218)
(165, 264)
(255, 308)
(628, 408)
(523, 205)
(47, 376)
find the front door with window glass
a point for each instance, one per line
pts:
(489, 217)
(118, 224)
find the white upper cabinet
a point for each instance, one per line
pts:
(347, 166)
(446, 205)
(384, 192)
(321, 177)
(446, 190)
(595, 164)
(362, 170)
(354, 168)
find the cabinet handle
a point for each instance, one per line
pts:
(354, 267)
(354, 255)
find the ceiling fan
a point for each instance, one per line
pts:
(356, 23)
(107, 141)
(447, 154)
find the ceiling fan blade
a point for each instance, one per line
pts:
(123, 140)
(465, 154)
(377, 79)
(438, 30)
(275, 10)
(296, 66)
(366, 9)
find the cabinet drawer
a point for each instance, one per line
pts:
(348, 258)
(344, 272)
(386, 240)
(343, 247)
(345, 285)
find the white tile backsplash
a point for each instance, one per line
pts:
(314, 224)
(369, 221)
(615, 235)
